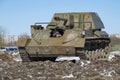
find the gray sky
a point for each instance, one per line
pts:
(16, 16)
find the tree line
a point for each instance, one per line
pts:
(11, 39)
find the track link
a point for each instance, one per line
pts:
(99, 54)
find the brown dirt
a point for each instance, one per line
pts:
(47, 70)
(5, 57)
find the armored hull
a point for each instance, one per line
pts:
(68, 34)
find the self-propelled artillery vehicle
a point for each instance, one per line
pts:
(68, 34)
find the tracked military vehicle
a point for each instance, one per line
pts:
(68, 34)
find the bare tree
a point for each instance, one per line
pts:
(2, 34)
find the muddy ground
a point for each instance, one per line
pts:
(47, 70)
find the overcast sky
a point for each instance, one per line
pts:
(16, 16)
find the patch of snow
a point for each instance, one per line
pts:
(115, 53)
(68, 76)
(82, 64)
(85, 63)
(112, 55)
(108, 73)
(65, 58)
(95, 69)
(16, 57)
(30, 76)
(39, 72)
(88, 62)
